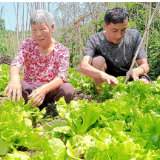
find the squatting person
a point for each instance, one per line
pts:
(46, 64)
(109, 53)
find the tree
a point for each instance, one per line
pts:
(2, 24)
(2, 21)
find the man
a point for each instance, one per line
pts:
(109, 54)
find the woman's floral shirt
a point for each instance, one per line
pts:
(38, 68)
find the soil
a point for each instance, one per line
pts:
(2, 99)
(51, 113)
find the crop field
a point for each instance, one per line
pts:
(122, 124)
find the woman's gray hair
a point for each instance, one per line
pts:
(41, 16)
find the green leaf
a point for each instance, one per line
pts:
(38, 156)
(78, 145)
(89, 116)
(10, 135)
(96, 154)
(117, 125)
(17, 155)
(80, 115)
(53, 148)
(63, 129)
(4, 147)
(78, 56)
(31, 140)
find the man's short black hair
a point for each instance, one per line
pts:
(116, 15)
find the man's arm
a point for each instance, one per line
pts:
(142, 63)
(143, 67)
(88, 70)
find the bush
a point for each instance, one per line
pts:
(5, 59)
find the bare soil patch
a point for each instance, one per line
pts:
(2, 99)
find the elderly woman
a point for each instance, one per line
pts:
(46, 64)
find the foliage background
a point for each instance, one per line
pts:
(75, 22)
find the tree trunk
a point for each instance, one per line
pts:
(148, 30)
(48, 6)
(27, 17)
(17, 28)
(159, 14)
(23, 31)
(40, 5)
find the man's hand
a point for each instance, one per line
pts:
(14, 89)
(133, 74)
(109, 79)
(38, 95)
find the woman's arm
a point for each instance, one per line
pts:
(39, 94)
(52, 85)
(14, 87)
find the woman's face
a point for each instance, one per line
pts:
(42, 33)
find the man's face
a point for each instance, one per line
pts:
(115, 32)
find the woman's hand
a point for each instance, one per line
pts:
(38, 95)
(133, 74)
(14, 89)
(109, 79)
